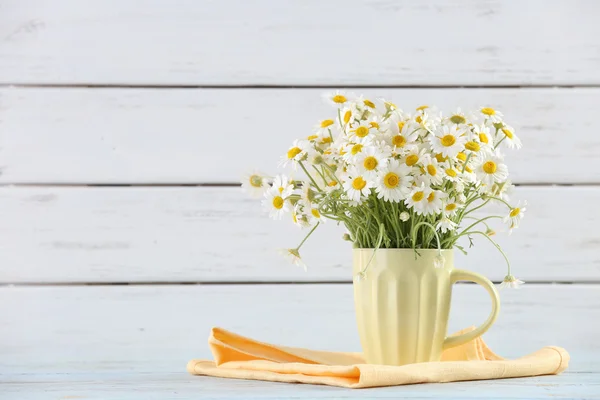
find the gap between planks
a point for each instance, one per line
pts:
(235, 184)
(250, 283)
(233, 86)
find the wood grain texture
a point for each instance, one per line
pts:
(197, 234)
(235, 42)
(133, 342)
(192, 136)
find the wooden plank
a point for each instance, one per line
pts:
(197, 234)
(355, 42)
(134, 341)
(191, 136)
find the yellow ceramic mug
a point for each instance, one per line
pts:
(403, 302)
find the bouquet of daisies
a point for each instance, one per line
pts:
(396, 179)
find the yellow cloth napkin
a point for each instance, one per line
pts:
(243, 358)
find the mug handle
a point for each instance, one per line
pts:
(462, 275)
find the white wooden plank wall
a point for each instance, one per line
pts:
(125, 126)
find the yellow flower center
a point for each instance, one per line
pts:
(338, 98)
(440, 157)
(280, 189)
(332, 184)
(362, 131)
(370, 163)
(448, 140)
(508, 133)
(315, 213)
(312, 137)
(326, 139)
(399, 141)
(293, 152)
(419, 119)
(489, 167)
(431, 170)
(431, 197)
(278, 202)
(458, 119)
(357, 148)
(347, 116)
(461, 156)
(451, 172)
(391, 180)
(450, 207)
(359, 183)
(423, 107)
(483, 138)
(374, 124)
(412, 160)
(400, 126)
(473, 146)
(469, 170)
(515, 211)
(369, 103)
(488, 111)
(418, 196)
(256, 180)
(327, 122)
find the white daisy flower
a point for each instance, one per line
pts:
(298, 217)
(417, 198)
(507, 136)
(393, 181)
(337, 98)
(366, 104)
(490, 169)
(346, 116)
(433, 204)
(502, 190)
(297, 152)
(458, 118)
(511, 282)
(255, 184)
(275, 204)
(446, 225)
(315, 215)
(491, 114)
(404, 216)
(370, 160)
(482, 135)
(451, 172)
(401, 134)
(324, 126)
(414, 156)
(426, 120)
(451, 207)
(376, 122)
(449, 140)
(354, 148)
(357, 186)
(515, 215)
(293, 256)
(283, 185)
(387, 105)
(362, 131)
(431, 170)
(307, 195)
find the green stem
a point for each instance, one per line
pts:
(414, 238)
(497, 247)
(309, 176)
(307, 236)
